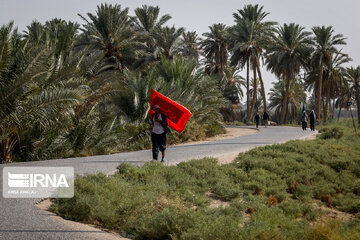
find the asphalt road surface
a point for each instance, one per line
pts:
(21, 219)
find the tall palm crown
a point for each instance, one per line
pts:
(190, 45)
(168, 41)
(287, 54)
(251, 13)
(147, 18)
(249, 32)
(110, 32)
(148, 22)
(325, 42)
(215, 47)
(35, 33)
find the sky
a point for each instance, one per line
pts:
(198, 15)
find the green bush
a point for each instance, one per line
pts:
(332, 132)
(226, 191)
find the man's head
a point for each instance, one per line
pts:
(156, 108)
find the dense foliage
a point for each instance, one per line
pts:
(70, 89)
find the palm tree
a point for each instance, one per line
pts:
(287, 54)
(353, 75)
(214, 47)
(230, 84)
(190, 46)
(110, 33)
(248, 39)
(167, 41)
(35, 33)
(325, 43)
(131, 96)
(31, 94)
(296, 96)
(181, 80)
(147, 19)
(233, 83)
(333, 77)
(343, 97)
(255, 92)
(146, 22)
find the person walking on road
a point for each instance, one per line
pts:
(312, 117)
(266, 118)
(158, 134)
(304, 117)
(257, 119)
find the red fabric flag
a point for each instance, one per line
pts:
(176, 114)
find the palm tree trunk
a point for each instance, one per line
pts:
(319, 90)
(293, 114)
(261, 84)
(326, 106)
(339, 112)
(333, 109)
(284, 103)
(248, 87)
(254, 95)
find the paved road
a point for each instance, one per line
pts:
(21, 219)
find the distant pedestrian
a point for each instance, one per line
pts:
(304, 117)
(257, 119)
(312, 117)
(266, 118)
(158, 134)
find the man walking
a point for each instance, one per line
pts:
(266, 118)
(257, 119)
(304, 121)
(312, 118)
(158, 133)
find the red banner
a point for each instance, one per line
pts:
(176, 114)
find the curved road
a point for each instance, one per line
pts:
(22, 219)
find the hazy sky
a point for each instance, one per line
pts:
(199, 15)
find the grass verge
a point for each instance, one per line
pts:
(274, 192)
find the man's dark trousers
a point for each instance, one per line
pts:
(158, 142)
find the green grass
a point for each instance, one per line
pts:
(280, 184)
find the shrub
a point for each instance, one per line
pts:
(226, 191)
(332, 132)
(131, 172)
(326, 198)
(330, 231)
(272, 201)
(291, 209)
(165, 224)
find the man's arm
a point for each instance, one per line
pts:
(150, 121)
(164, 122)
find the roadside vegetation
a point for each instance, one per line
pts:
(297, 190)
(77, 89)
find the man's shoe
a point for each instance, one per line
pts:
(162, 160)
